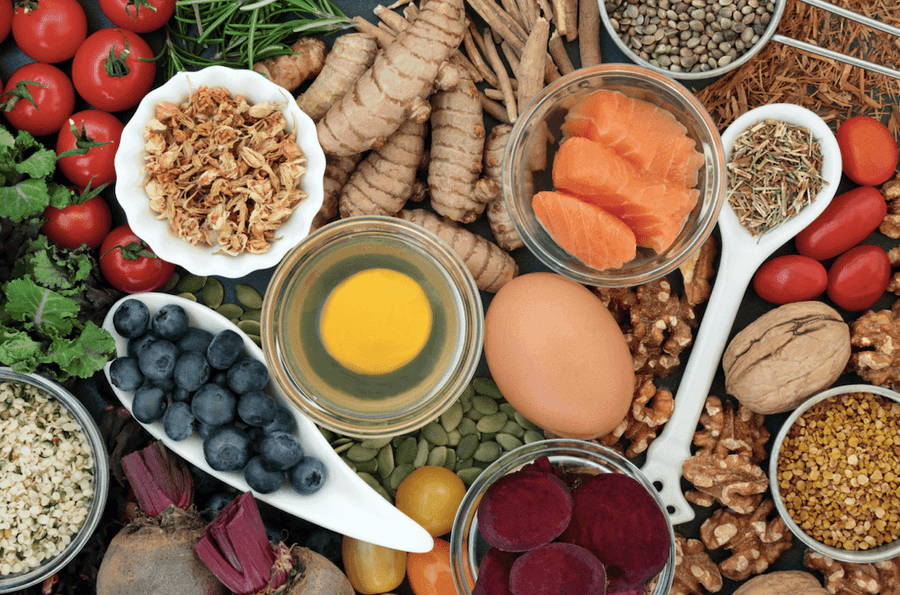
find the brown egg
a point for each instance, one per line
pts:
(558, 356)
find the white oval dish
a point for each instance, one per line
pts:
(202, 259)
(344, 504)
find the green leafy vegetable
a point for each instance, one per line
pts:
(26, 168)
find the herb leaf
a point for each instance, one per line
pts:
(26, 169)
(48, 312)
(85, 354)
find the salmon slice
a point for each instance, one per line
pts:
(589, 233)
(653, 207)
(645, 134)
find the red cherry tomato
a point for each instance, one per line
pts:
(6, 15)
(53, 98)
(845, 222)
(110, 69)
(429, 573)
(51, 32)
(140, 16)
(88, 223)
(790, 278)
(96, 165)
(868, 150)
(130, 265)
(859, 277)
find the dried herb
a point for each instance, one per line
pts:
(775, 171)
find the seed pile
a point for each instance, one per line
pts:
(245, 314)
(837, 471)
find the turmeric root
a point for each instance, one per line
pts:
(351, 55)
(379, 101)
(337, 172)
(490, 266)
(291, 70)
(497, 214)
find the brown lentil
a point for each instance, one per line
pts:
(837, 471)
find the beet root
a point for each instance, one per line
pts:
(493, 573)
(524, 510)
(155, 556)
(618, 521)
(558, 568)
(314, 574)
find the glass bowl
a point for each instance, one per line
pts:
(16, 582)
(466, 544)
(367, 405)
(876, 554)
(521, 181)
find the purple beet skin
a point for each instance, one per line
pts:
(557, 568)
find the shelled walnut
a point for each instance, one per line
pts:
(727, 430)
(732, 480)
(890, 190)
(697, 271)
(874, 338)
(847, 578)
(694, 569)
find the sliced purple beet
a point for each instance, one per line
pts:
(617, 520)
(493, 573)
(524, 510)
(557, 568)
(542, 464)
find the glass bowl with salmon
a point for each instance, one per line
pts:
(614, 175)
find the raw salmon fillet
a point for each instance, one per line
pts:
(589, 233)
(645, 134)
(653, 207)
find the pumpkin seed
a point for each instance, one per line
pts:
(213, 293)
(350, 463)
(467, 446)
(191, 284)
(450, 460)
(358, 453)
(532, 436)
(488, 452)
(466, 426)
(370, 466)
(435, 434)
(513, 428)
(369, 479)
(508, 441)
(485, 436)
(484, 405)
(453, 438)
(396, 440)
(452, 416)
(491, 423)
(520, 419)
(230, 310)
(437, 456)
(385, 460)
(508, 409)
(188, 296)
(474, 414)
(171, 283)
(397, 476)
(343, 447)
(466, 397)
(234, 321)
(469, 474)
(421, 453)
(486, 386)
(328, 434)
(254, 314)
(462, 464)
(375, 443)
(406, 451)
(384, 494)
(251, 327)
(247, 296)
(342, 440)
(256, 339)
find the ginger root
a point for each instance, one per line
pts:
(490, 266)
(497, 214)
(350, 56)
(291, 70)
(337, 172)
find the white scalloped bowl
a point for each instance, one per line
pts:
(201, 259)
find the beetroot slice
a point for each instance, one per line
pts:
(560, 569)
(493, 573)
(618, 521)
(524, 510)
(543, 464)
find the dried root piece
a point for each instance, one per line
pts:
(874, 337)
(291, 70)
(491, 267)
(337, 172)
(498, 215)
(589, 34)
(732, 480)
(729, 431)
(697, 271)
(694, 569)
(351, 55)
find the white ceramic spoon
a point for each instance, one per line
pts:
(741, 255)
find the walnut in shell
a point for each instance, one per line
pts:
(782, 582)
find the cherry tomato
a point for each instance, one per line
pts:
(86, 222)
(109, 70)
(430, 496)
(97, 134)
(844, 223)
(372, 568)
(6, 15)
(140, 16)
(859, 277)
(52, 94)
(868, 150)
(49, 30)
(429, 573)
(130, 265)
(790, 278)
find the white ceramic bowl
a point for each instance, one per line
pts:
(344, 504)
(202, 259)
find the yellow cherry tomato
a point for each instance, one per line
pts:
(371, 568)
(431, 496)
(429, 573)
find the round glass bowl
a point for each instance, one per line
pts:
(466, 545)
(521, 179)
(368, 405)
(16, 582)
(875, 554)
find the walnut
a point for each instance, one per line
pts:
(874, 337)
(786, 355)
(846, 578)
(697, 271)
(694, 569)
(890, 226)
(726, 431)
(890, 190)
(732, 480)
(782, 582)
(754, 541)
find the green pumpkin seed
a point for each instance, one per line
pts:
(508, 441)
(437, 456)
(171, 283)
(532, 436)
(375, 443)
(467, 426)
(188, 296)
(342, 440)
(343, 447)
(213, 293)
(384, 494)
(452, 416)
(513, 428)
(491, 423)
(484, 405)
(466, 396)
(234, 321)
(487, 436)
(251, 327)
(397, 476)
(191, 284)
(423, 448)
(450, 460)
(370, 466)
(406, 451)
(254, 314)
(396, 440)
(328, 434)
(469, 474)
(350, 463)
(474, 414)
(488, 452)
(369, 479)
(508, 409)
(467, 446)
(435, 434)
(520, 419)
(357, 453)
(453, 438)
(385, 460)
(230, 310)
(247, 296)
(256, 339)
(464, 463)
(486, 386)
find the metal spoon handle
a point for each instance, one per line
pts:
(826, 53)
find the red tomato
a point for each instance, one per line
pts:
(790, 278)
(859, 277)
(86, 223)
(96, 165)
(53, 102)
(110, 70)
(52, 31)
(844, 223)
(868, 150)
(6, 15)
(130, 265)
(429, 573)
(140, 16)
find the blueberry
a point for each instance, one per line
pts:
(256, 408)
(204, 430)
(191, 370)
(307, 476)
(218, 501)
(262, 477)
(283, 421)
(281, 450)
(325, 542)
(224, 349)
(125, 374)
(227, 448)
(158, 359)
(137, 345)
(149, 404)
(219, 377)
(214, 405)
(195, 339)
(180, 395)
(256, 436)
(166, 384)
(170, 322)
(247, 374)
(132, 318)
(178, 421)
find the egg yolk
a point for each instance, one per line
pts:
(375, 321)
